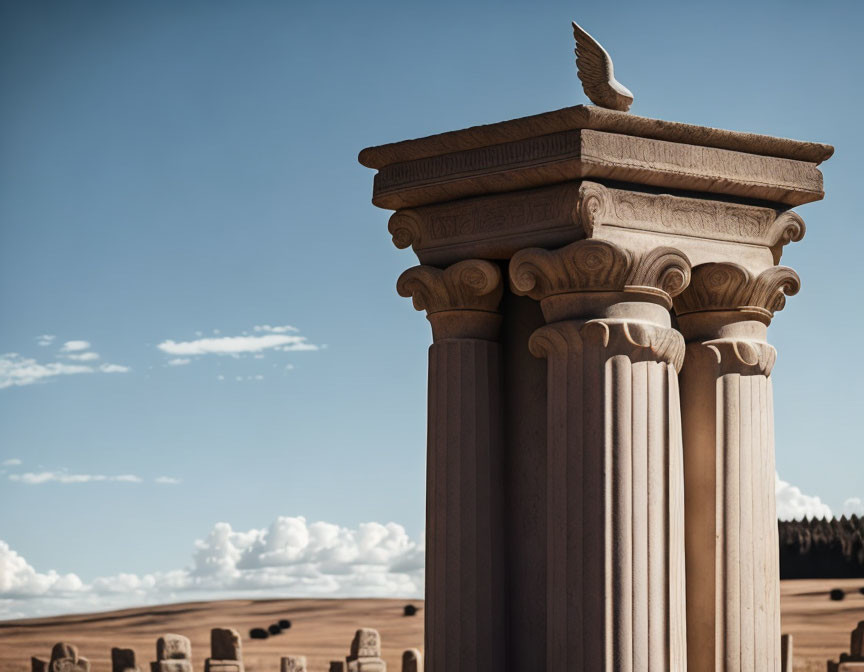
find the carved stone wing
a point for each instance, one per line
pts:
(597, 74)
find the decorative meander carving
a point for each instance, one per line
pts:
(743, 356)
(728, 286)
(597, 265)
(497, 226)
(472, 284)
(703, 218)
(638, 340)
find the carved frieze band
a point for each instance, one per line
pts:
(596, 265)
(728, 286)
(487, 217)
(472, 284)
(700, 217)
(638, 340)
(496, 226)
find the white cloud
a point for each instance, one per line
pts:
(854, 506)
(30, 478)
(45, 339)
(113, 368)
(167, 480)
(19, 580)
(75, 346)
(290, 558)
(275, 330)
(83, 357)
(11, 462)
(235, 345)
(792, 504)
(179, 361)
(17, 370)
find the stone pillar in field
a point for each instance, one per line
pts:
(226, 651)
(365, 653)
(123, 660)
(412, 661)
(65, 658)
(465, 554)
(293, 664)
(728, 423)
(615, 563)
(787, 656)
(854, 660)
(173, 654)
(596, 217)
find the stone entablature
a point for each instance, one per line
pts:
(497, 226)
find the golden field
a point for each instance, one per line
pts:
(322, 629)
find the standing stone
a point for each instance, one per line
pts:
(295, 664)
(64, 658)
(173, 654)
(854, 660)
(856, 646)
(365, 652)
(123, 660)
(226, 654)
(38, 665)
(412, 661)
(786, 653)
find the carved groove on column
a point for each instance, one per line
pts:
(465, 555)
(750, 619)
(472, 284)
(616, 547)
(597, 265)
(728, 286)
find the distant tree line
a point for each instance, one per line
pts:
(822, 548)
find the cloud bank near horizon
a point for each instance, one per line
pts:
(290, 558)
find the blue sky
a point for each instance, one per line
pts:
(186, 172)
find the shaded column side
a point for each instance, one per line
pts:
(465, 559)
(615, 545)
(524, 510)
(733, 573)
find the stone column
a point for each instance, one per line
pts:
(465, 560)
(733, 575)
(615, 526)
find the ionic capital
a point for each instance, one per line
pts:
(638, 340)
(461, 301)
(729, 287)
(590, 266)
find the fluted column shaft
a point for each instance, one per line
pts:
(733, 574)
(615, 521)
(465, 558)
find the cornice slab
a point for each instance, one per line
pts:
(573, 155)
(596, 118)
